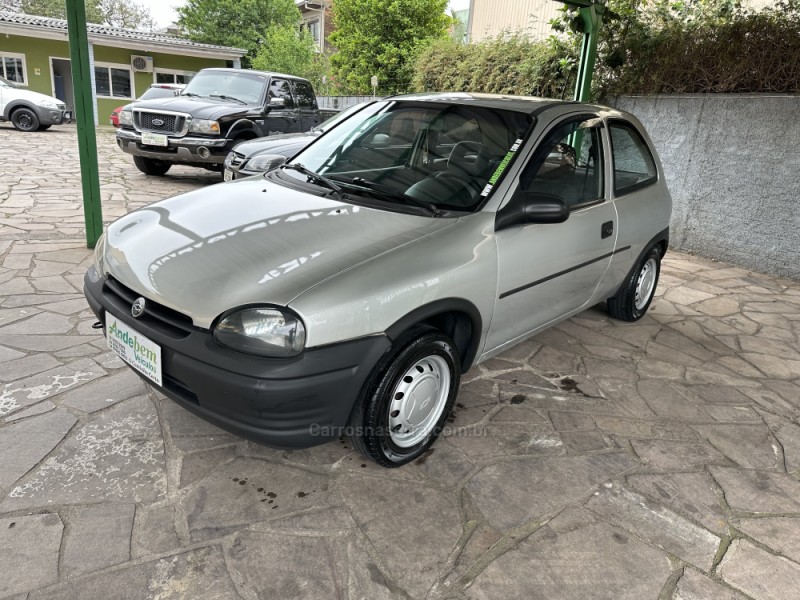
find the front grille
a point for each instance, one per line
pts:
(166, 321)
(238, 159)
(156, 122)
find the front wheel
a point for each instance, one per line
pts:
(151, 166)
(406, 401)
(25, 119)
(44, 127)
(634, 297)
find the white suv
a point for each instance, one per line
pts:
(27, 110)
(346, 292)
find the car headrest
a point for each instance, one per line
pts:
(470, 157)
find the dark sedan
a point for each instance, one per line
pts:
(263, 154)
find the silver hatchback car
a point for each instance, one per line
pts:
(346, 292)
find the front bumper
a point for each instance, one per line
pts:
(50, 116)
(185, 150)
(285, 403)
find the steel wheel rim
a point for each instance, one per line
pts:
(418, 401)
(24, 120)
(645, 284)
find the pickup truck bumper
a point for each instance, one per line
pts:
(185, 150)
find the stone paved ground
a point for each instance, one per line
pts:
(597, 460)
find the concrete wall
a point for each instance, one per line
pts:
(733, 168)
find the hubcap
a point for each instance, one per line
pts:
(646, 284)
(25, 121)
(418, 400)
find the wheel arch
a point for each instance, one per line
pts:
(458, 318)
(15, 104)
(244, 129)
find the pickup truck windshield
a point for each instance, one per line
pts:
(444, 155)
(244, 86)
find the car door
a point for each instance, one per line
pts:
(3, 97)
(546, 271)
(306, 105)
(283, 115)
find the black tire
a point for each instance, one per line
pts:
(151, 166)
(371, 420)
(637, 292)
(24, 119)
(44, 127)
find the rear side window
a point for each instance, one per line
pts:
(634, 166)
(305, 95)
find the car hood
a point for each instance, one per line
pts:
(35, 97)
(277, 144)
(199, 108)
(245, 242)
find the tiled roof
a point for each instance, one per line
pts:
(106, 31)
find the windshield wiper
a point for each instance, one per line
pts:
(391, 194)
(190, 94)
(224, 97)
(315, 178)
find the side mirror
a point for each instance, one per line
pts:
(277, 102)
(380, 140)
(530, 207)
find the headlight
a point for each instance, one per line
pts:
(204, 126)
(265, 162)
(126, 117)
(48, 103)
(99, 262)
(262, 331)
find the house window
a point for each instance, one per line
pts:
(12, 67)
(170, 76)
(314, 29)
(113, 81)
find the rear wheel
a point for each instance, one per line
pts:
(634, 297)
(406, 401)
(151, 166)
(25, 119)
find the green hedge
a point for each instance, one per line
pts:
(646, 47)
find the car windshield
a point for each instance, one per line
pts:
(416, 153)
(158, 92)
(239, 85)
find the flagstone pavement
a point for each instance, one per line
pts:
(599, 459)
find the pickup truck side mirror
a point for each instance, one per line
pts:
(532, 207)
(277, 102)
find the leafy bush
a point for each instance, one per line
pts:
(645, 47)
(511, 64)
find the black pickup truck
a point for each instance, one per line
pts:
(218, 109)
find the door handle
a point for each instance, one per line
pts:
(607, 229)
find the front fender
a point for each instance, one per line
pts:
(451, 269)
(16, 104)
(244, 126)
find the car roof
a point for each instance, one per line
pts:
(525, 104)
(267, 73)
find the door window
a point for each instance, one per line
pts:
(568, 164)
(634, 167)
(279, 88)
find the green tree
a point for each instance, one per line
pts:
(117, 13)
(382, 38)
(237, 23)
(286, 49)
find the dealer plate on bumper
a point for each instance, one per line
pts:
(154, 139)
(141, 353)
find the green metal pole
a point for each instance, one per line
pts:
(592, 16)
(84, 114)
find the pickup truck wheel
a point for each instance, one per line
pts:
(24, 119)
(407, 399)
(150, 166)
(634, 297)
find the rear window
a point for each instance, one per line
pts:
(634, 166)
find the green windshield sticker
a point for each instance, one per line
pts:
(501, 167)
